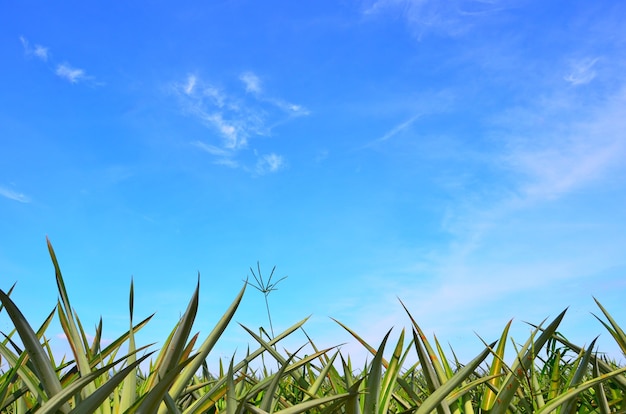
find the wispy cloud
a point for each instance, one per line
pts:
(542, 170)
(251, 81)
(424, 16)
(222, 156)
(269, 163)
(236, 117)
(14, 195)
(38, 51)
(63, 70)
(582, 71)
(69, 73)
(291, 109)
(212, 149)
(190, 84)
(571, 153)
(523, 236)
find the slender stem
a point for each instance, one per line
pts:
(269, 316)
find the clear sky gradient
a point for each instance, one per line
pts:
(467, 157)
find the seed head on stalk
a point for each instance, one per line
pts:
(265, 288)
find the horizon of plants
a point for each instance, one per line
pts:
(548, 373)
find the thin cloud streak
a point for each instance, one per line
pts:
(211, 149)
(431, 16)
(191, 83)
(545, 176)
(399, 128)
(223, 156)
(13, 195)
(542, 168)
(582, 72)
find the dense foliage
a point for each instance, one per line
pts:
(549, 373)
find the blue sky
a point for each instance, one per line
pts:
(467, 157)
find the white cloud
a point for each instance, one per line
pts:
(41, 52)
(568, 157)
(13, 195)
(69, 73)
(289, 108)
(236, 118)
(532, 231)
(450, 18)
(214, 95)
(64, 70)
(38, 51)
(251, 81)
(378, 6)
(555, 172)
(202, 94)
(191, 83)
(234, 137)
(269, 163)
(581, 71)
